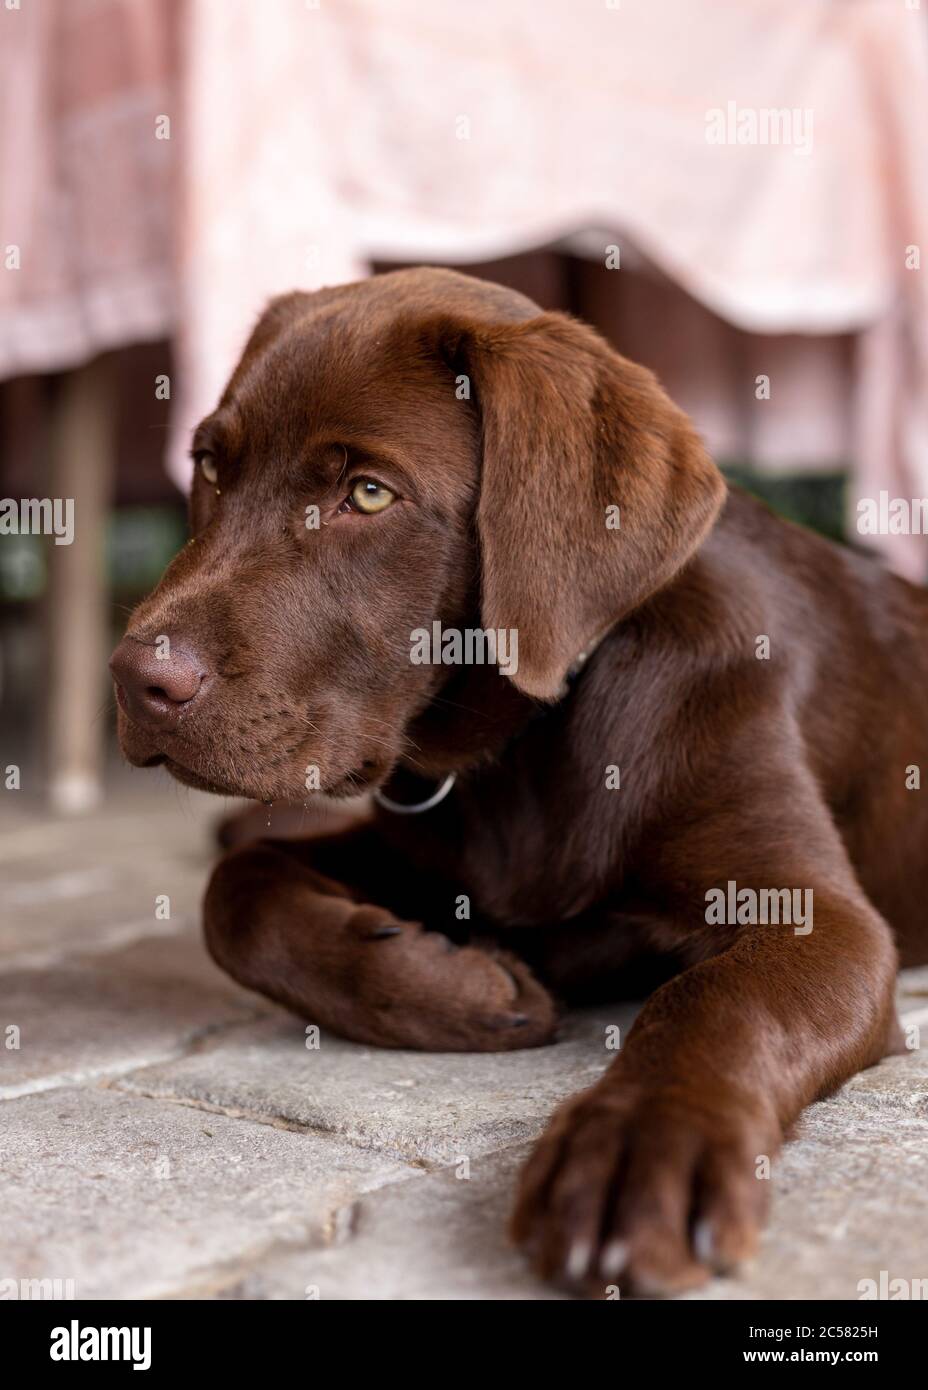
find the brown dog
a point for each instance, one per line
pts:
(424, 447)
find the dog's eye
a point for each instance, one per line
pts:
(369, 496)
(207, 466)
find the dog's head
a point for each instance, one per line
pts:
(418, 448)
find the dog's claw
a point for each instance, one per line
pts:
(578, 1261)
(704, 1243)
(508, 1021)
(614, 1259)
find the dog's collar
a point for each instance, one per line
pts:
(574, 670)
(415, 808)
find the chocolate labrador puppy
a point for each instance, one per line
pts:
(702, 748)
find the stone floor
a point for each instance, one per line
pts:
(165, 1134)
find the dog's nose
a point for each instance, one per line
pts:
(154, 685)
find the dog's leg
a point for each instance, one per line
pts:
(282, 927)
(656, 1176)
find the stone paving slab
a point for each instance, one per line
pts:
(848, 1202)
(429, 1106)
(132, 1198)
(282, 1167)
(442, 1237)
(65, 887)
(898, 1084)
(912, 992)
(97, 1014)
(849, 1199)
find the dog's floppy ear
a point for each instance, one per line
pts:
(595, 488)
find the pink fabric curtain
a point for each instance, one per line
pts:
(87, 191)
(307, 140)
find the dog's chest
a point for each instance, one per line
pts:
(520, 850)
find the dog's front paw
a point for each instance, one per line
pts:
(645, 1190)
(420, 990)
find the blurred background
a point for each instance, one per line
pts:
(735, 193)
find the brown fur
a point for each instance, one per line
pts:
(780, 773)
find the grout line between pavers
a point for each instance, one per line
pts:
(224, 1275)
(413, 1161)
(115, 1070)
(344, 1220)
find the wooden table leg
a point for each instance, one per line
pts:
(82, 467)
